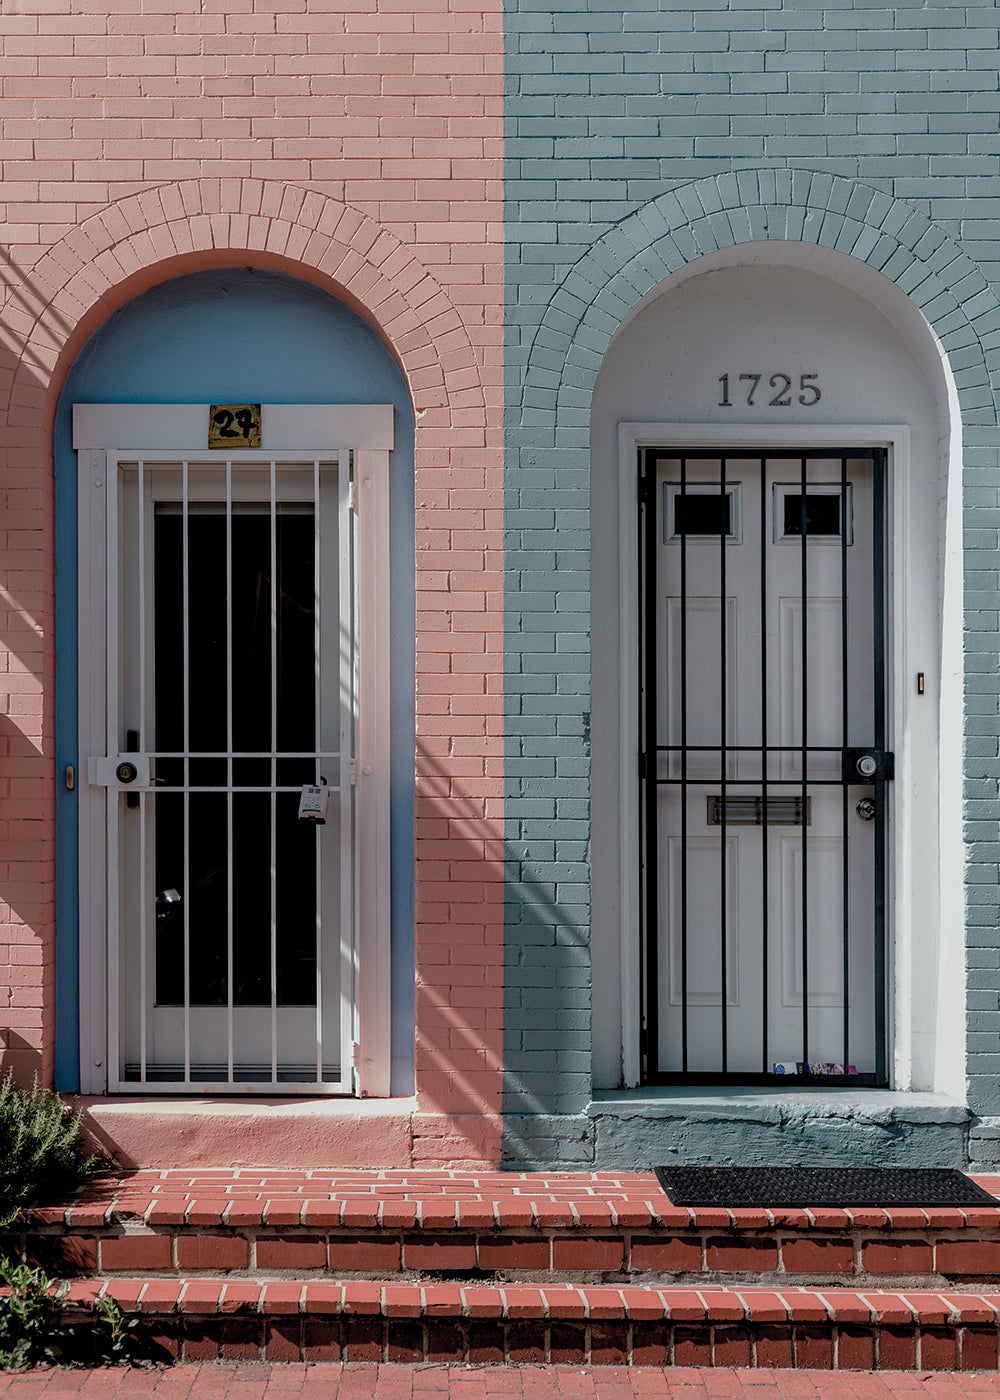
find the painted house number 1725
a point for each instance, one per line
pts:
(781, 385)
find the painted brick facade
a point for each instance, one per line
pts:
(362, 151)
(637, 140)
(495, 190)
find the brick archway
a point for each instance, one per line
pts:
(163, 232)
(723, 211)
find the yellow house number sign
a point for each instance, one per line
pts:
(234, 425)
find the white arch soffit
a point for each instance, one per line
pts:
(947, 1054)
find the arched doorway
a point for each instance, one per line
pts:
(779, 503)
(212, 582)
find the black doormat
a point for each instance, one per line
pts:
(821, 1186)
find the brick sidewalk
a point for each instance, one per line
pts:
(334, 1382)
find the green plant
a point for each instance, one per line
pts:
(34, 1329)
(41, 1147)
(115, 1334)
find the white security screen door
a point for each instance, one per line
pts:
(230, 619)
(764, 766)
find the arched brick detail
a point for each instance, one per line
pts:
(161, 232)
(722, 211)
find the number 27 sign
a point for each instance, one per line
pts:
(234, 425)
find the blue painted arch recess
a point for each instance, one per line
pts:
(237, 335)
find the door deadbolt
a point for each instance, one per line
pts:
(867, 766)
(126, 772)
(865, 809)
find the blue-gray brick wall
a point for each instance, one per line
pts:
(872, 128)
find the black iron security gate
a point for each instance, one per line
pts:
(763, 765)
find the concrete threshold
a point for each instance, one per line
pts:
(756, 1127)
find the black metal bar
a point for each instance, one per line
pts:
(844, 730)
(878, 621)
(744, 748)
(684, 789)
(805, 771)
(648, 641)
(857, 1081)
(755, 782)
(723, 969)
(747, 748)
(794, 454)
(764, 880)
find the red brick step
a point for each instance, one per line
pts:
(310, 1320)
(580, 1228)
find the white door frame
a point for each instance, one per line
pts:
(905, 634)
(104, 433)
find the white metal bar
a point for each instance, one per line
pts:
(218, 788)
(318, 741)
(374, 740)
(229, 766)
(186, 671)
(274, 778)
(346, 690)
(91, 738)
(352, 989)
(243, 1087)
(115, 999)
(240, 753)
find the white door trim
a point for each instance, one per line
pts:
(904, 635)
(104, 433)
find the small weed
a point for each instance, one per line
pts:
(34, 1330)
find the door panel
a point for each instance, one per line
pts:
(762, 666)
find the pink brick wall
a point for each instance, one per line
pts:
(146, 138)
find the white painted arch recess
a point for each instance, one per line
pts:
(794, 309)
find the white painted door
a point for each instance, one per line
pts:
(231, 686)
(764, 926)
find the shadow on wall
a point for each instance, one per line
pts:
(27, 907)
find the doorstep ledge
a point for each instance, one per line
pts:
(799, 1127)
(756, 1105)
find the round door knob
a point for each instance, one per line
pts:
(865, 809)
(867, 766)
(126, 772)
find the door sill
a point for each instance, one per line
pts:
(737, 1100)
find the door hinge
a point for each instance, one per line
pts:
(354, 772)
(353, 496)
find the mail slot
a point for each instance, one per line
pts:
(758, 811)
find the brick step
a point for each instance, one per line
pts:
(312, 1320)
(577, 1228)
